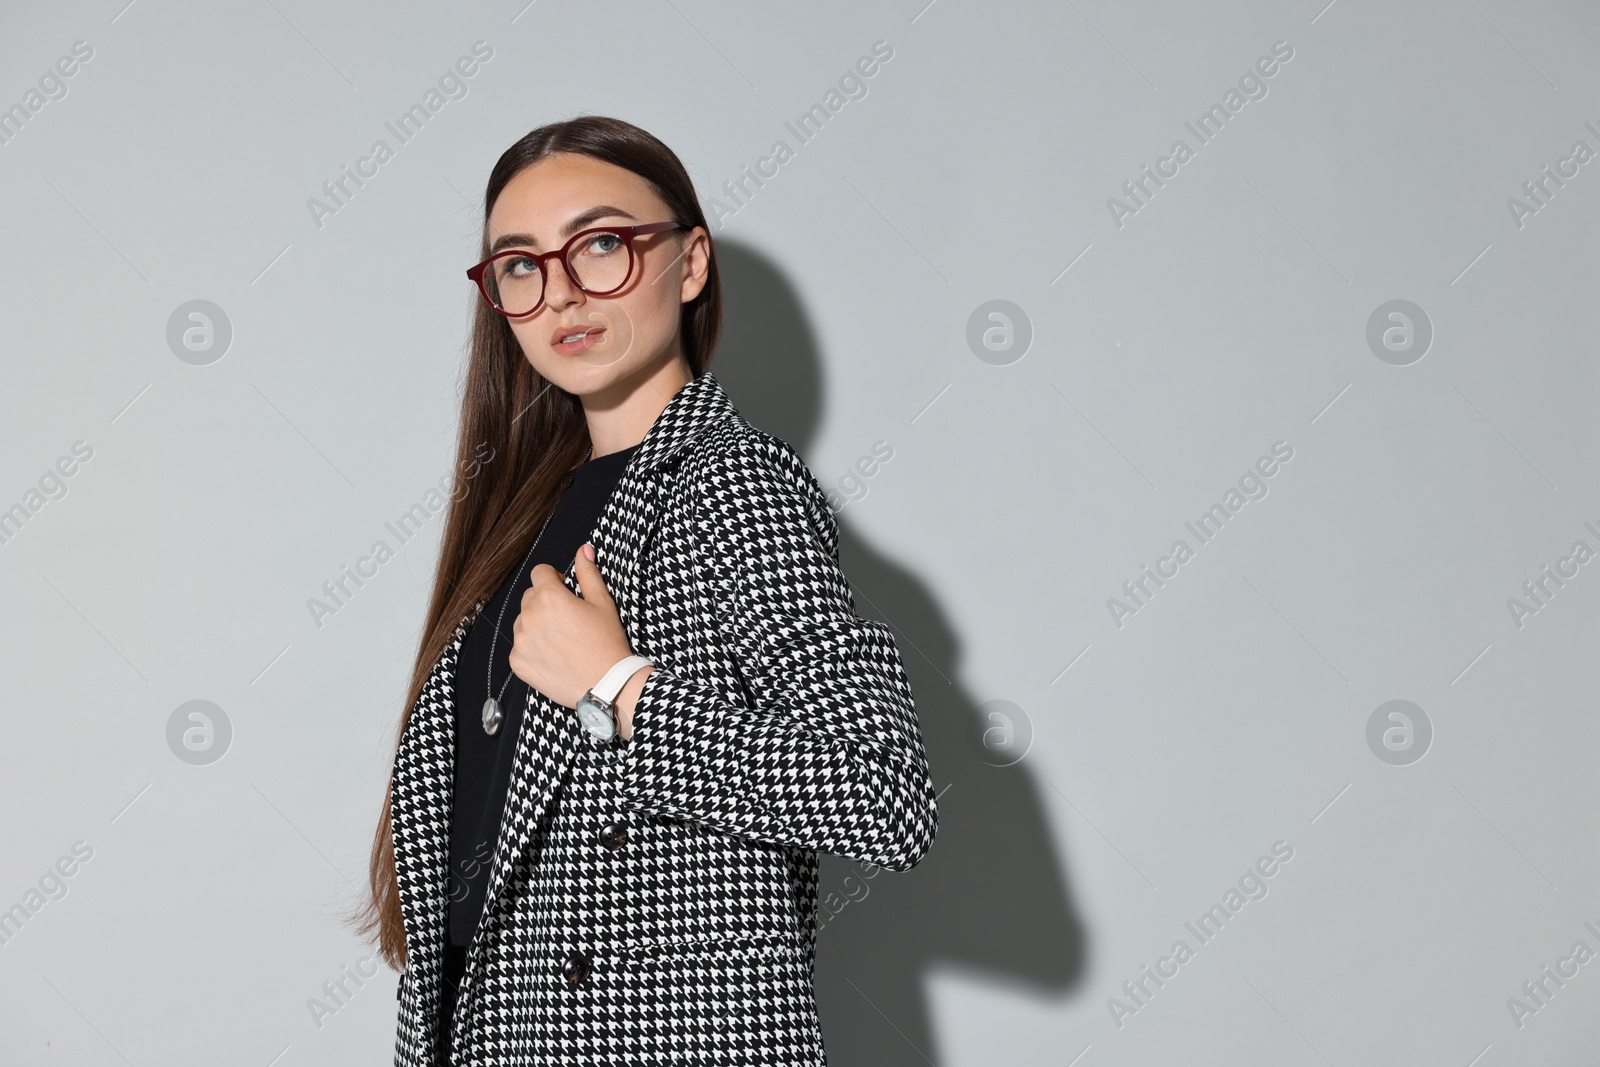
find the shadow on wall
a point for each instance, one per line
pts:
(990, 896)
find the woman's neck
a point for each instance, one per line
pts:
(623, 415)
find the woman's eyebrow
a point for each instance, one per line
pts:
(576, 223)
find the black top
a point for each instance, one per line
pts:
(483, 763)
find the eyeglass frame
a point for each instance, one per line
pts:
(627, 233)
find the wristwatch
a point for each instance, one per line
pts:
(596, 708)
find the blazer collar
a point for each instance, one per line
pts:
(693, 407)
(550, 734)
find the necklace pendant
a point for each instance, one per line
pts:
(492, 716)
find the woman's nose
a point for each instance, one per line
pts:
(559, 288)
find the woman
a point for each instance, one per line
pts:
(643, 701)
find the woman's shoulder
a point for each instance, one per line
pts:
(735, 449)
(739, 465)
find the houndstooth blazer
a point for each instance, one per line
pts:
(652, 901)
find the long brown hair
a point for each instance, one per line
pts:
(533, 434)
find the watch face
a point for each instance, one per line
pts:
(596, 719)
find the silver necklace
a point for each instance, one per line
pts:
(493, 716)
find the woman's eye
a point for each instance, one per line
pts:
(602, 244)
(521, 267)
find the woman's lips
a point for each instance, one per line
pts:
(587, 338)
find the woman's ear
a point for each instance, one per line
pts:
(696, 264)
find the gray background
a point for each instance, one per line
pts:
(1158, 760)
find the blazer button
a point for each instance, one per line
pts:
(613, 836)
(576, 968)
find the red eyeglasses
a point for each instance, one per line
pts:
(598, 261)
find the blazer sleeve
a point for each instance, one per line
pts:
(826, 753)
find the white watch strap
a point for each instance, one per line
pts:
(612, 681)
